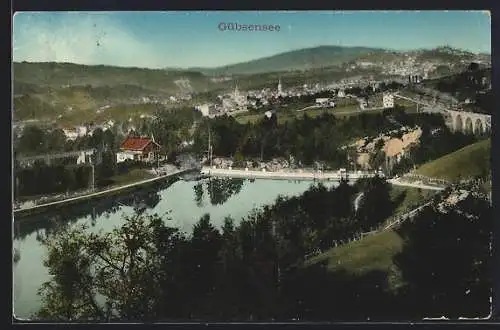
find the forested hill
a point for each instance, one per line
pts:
(330, 56)
(302, 59)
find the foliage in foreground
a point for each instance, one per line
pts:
(257, 270)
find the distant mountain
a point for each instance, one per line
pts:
(302, 59)
(338, 56)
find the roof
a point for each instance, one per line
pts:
(136, 143)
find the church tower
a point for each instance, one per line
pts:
(236, 93)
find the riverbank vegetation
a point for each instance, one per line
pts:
(258, 269)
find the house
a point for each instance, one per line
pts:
(388, 101)
(322, 101)
(363, 103)
(71, 133)
(138, 148)
(206, 109)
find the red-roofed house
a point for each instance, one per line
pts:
(138, 148)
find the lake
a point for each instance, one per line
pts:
(184, 201)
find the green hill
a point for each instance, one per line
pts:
(472, 160)
(49, 90)
(68, 74)
(302, 59)
(337, 56)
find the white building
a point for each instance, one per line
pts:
(325, 102)
(362, 103)
(388, 101)
(71, 133)
(206, 109)
(341, 93)
(322, 101)
(85, 157)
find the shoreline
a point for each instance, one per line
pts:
(110, 191)
(308, 176)
(285, 175)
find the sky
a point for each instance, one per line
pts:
(193, 39)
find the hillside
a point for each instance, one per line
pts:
(302, 59)
(472, 160)
(49, 90)
(467, 84)
(338, 56)
(72, 91)
(57, 75)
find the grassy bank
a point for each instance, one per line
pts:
(472, 160)
(131, 176)
(370, 253)
(408, 197)
(373, 252)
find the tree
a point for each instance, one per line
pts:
(376, 205)
(124, 267)
(32, 140)
(56, 140)
(446, 260)
(107, 168)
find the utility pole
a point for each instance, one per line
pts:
(209, 146)
(93, 177)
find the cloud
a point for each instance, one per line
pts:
(90, 38)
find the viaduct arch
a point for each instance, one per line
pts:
(470, 122)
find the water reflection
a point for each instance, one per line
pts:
(49, 222)
(172, 200)
(218, 190)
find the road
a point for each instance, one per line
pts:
(398, 182)
(342, 112)
(284, 175)
(99, 193)
(401, 218)
(309, 107)
(303, 175)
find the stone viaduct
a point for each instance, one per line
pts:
(470, 122)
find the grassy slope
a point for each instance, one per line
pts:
(376, 252)
(467, 162)
(372, 252)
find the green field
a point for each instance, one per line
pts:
(407, 197)
(472, 160)
(410, 106)
(368, 254)
(347, 110)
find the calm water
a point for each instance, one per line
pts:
(186, 201)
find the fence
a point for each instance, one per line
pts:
(394, 222)
(410, 212)
(427, 180)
